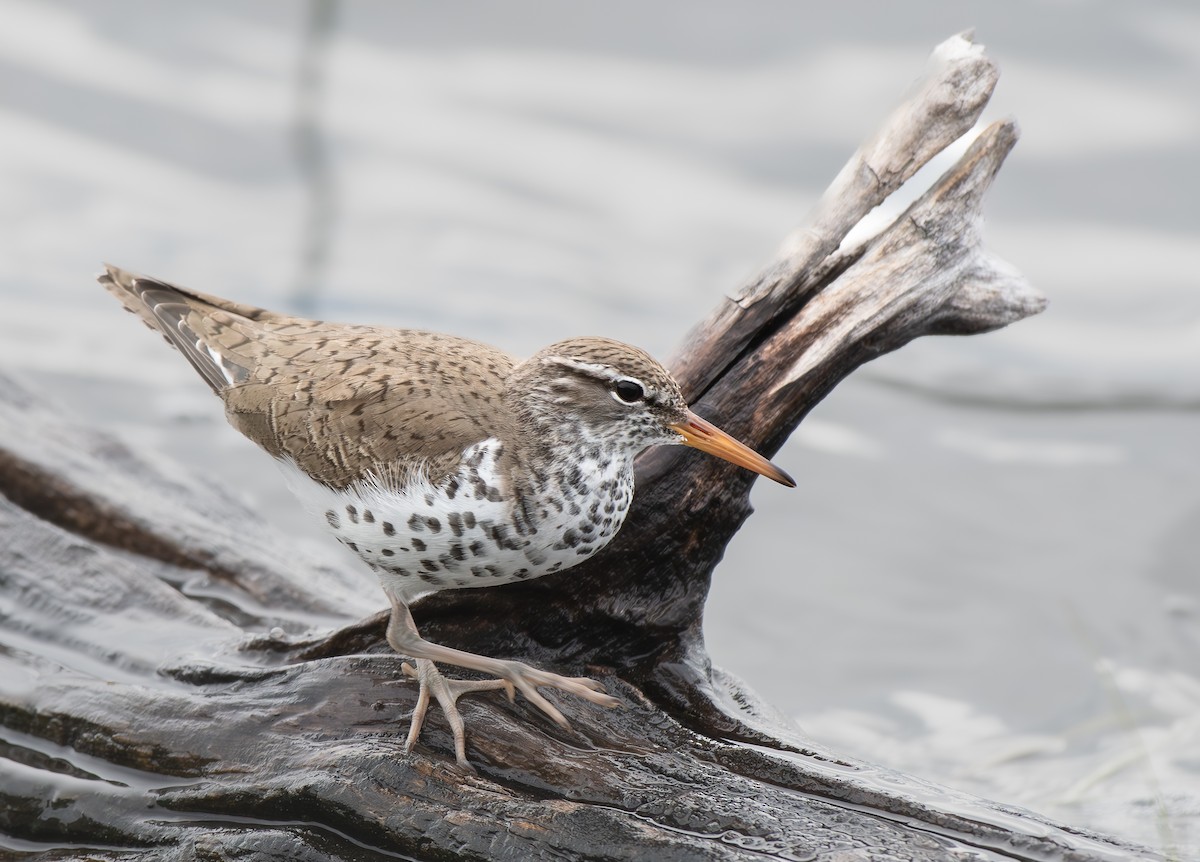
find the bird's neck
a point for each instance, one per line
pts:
(567, 466)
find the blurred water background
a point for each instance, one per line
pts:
(988, 575)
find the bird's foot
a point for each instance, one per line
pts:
(446, 692)
(515, 676)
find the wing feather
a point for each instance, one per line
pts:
(338, 400)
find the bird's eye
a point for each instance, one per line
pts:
(628, 391)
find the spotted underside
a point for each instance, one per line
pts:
(469, 529)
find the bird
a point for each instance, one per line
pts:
(440, 462)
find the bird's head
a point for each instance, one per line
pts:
(596, 390)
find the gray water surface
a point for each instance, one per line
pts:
(988, 574)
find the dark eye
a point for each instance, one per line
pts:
(629, 391)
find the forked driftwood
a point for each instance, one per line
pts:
(223, 729)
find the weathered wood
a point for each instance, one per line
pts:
(165, 695)
(943, 107)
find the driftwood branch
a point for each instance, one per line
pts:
(161, 696)
(943, 107)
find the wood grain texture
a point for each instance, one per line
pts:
(942, 107)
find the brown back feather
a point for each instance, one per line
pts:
(338, 400)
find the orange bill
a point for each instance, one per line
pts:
(709, 438)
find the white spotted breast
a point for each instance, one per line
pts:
(469, 529)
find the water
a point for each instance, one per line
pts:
(987, 576)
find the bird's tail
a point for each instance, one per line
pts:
(217, 336)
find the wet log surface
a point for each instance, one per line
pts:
(175, 684)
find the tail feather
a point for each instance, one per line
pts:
(215, 335)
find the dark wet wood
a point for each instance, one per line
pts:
(162, 695)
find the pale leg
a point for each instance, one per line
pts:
(403, 637)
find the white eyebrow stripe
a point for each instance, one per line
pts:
(595, 369)
(602, 372)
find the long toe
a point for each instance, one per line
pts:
(528, 679)
(418, 716)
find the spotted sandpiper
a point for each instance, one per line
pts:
(441, 462)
